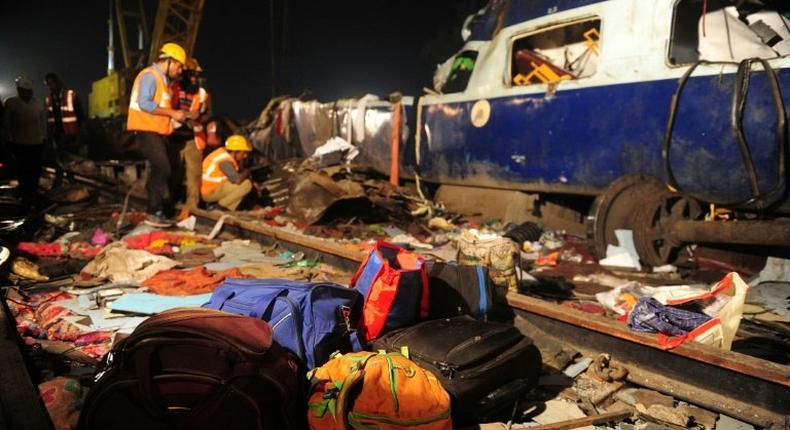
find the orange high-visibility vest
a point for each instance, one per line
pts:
(213, 176)
(196, 104)
(199, 101)
(140, 120)
(67, 113)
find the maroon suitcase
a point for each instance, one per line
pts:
(197, 369)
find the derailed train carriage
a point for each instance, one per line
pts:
(662, 111)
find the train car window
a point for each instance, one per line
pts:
(460, 72)
(556, 54)
(724, 30)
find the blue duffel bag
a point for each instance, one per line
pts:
(312, 319)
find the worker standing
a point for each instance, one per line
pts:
(150, 114)
(64, 117)
(222, 180)
(191, 97)
(24, 130)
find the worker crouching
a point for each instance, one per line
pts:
(223, 182)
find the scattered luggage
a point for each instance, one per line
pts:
(459, 290)
(395, 286)
(197, 369)
(312, 320)
(500, 255)
(484, 366)
(367, 390)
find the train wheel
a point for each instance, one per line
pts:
(653, 222)
(615, 208)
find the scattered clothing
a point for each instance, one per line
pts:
(650, 316)
(150, 304)
(100, 237)
(79, 250)
(118, 263)
(177, 282)
(197, 256)
(63, 399)
(160, 242)
(244, 251)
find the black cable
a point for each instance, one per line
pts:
(736, 122)
(760, 200)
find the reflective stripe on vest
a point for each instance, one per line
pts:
(213, 177)
(195, 103)
(140, 120)
(68, 115)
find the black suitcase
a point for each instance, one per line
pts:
(459, 290)
(484, 366)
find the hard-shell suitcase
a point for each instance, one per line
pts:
(484, 366)
(197, 369)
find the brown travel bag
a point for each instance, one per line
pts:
(197, 369)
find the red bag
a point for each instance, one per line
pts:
(395, 286)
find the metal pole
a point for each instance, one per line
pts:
(111, 44)
(743, 232)
(271, 46)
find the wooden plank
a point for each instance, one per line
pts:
(280, 234)
(586, 421)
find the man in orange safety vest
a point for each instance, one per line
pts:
(149, 117)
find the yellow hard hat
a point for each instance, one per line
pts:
(174, 51)
(192, 64)
(238, 142)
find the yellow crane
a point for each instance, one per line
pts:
(176, 21)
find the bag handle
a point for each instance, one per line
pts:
(219, 297)
(264, 312)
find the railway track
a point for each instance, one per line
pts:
(748, 388)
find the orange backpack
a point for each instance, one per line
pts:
(365, 390)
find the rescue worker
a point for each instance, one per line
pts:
(149, 117)
(190, 139)
(24, 130)
(222, 180)
(64, 117)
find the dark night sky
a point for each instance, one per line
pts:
(334, 48)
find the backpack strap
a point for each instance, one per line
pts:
(356, 377)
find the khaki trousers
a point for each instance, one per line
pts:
(229, 195)
(193, 163)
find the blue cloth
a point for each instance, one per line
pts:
(149, 304)
(148, 90)
(650, 316)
